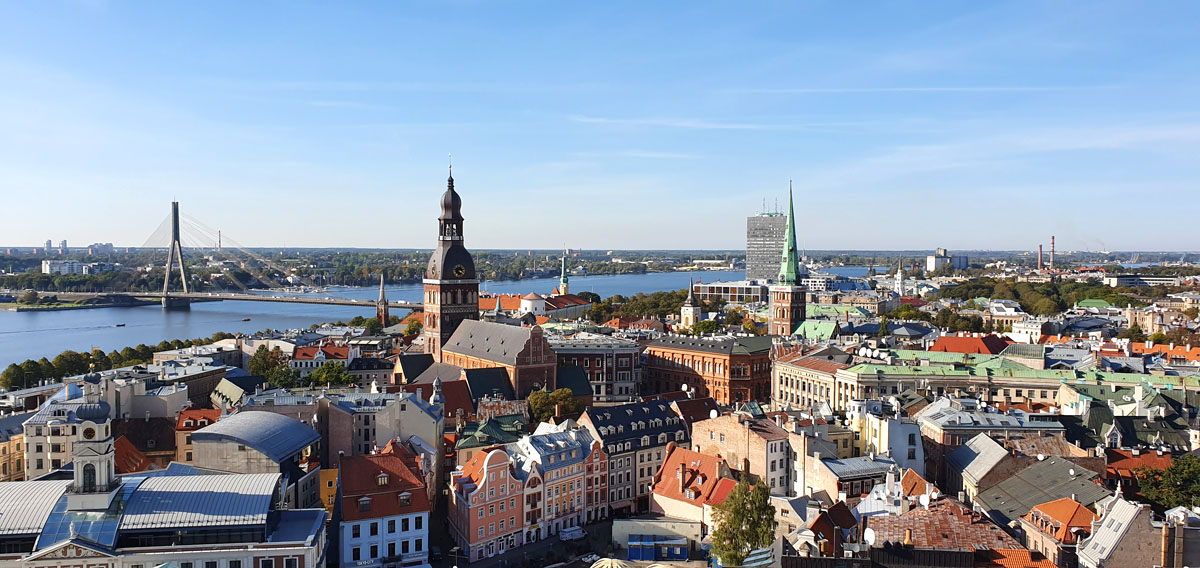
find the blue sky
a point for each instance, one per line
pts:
(904, 125)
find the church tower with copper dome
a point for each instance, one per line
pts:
(451, 285)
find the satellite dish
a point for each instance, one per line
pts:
(712, 413)
(1071, 472)
(685, 389)
(925, 501)
(933, 495)
(869, 537)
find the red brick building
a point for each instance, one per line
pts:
(729, 369)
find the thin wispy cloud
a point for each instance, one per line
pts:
(640, 154)
(686, 123)
(868, 90)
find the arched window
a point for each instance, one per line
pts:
(89, 478)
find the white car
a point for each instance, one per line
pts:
(589, 559)
(572, 533)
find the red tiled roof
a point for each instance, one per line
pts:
(914, 302)
(541, 320)
(361, 477)
(702, 476)
(987, 344)
(914, 485)
(127, 458)
(1176, 352)
(331, 352)
(1014, 558)
(1122, 464)
(1053, 339)
(196, 415)
(508, 302)
(1057, 518)
(945, 524)
(819, 364)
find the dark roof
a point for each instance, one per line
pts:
(1044, 481)
(369, 364)
(574, 378)
(153, 435)
(724, 345)
(413, 364)
(694, 409)
(444, 371)
(489, 341)
(491, 381)
(624, 415)
(247, 383)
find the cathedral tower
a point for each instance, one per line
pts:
(451, 285)
(787, 295)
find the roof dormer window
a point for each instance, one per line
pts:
(381, 479)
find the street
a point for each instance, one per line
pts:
(542, 553)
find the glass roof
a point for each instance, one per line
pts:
(99, 527)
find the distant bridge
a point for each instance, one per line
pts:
(243, 297)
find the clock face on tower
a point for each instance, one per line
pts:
(88, 433)
(460, 271)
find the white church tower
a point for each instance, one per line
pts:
(92, 454)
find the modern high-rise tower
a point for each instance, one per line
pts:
(764, 245)
(451, 286)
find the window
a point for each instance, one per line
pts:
(417, 545)
(235, 564)
(374, 529)
(266, 563)
(391, 526)
(391, 549)
(355, 531)
(356, 554)
(480, 532)
(185, 564)
(210, 564)
(404, 525)
(481, 512)
(722, 438)
(419, 522)
(404, 547)
(374, 551)
(290, 563)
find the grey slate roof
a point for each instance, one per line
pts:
(862, 466)
(1116, 517)
(1044, 481)
(444, 371)
(574, 378)
(489, 341)
(413, 364)
(725, 345)
(977, 457)
(609, 419)
(492, 381)
(276, 436)
(13, 424)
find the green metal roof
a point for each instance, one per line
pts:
(1093, 303)
(816, 329)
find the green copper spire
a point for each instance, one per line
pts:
(562, 278)
(790, 270)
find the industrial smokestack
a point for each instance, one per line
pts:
(1051, 252)
(1039, 258)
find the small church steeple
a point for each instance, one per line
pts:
(564, 282)
(788, 293)
(690, 313)
(93, 456)
(381, 305)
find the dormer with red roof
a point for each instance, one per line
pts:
(189, 421)
(689, 484)
(385, 509)
(1055, 528)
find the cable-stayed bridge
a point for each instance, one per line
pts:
(199, 238)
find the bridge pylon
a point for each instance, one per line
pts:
(175, 251)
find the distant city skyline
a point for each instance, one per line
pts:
(979, 126)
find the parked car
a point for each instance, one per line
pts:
(572, 533)
(435, 553)
(589, 559)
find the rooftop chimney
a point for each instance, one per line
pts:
(908, 537)
(1039, 258)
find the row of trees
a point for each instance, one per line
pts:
(1042, 299)
(272, 365)
(70, 363)
(658, 304)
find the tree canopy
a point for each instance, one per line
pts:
(542, 404)
(745, 521)
(1174, 486)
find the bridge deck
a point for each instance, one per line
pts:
(257, 298)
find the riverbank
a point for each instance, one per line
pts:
(50, 307)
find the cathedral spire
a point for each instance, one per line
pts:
(563, 281)
(790, 270)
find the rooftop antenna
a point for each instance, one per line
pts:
(450, 161)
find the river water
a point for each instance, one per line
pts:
(36, 334)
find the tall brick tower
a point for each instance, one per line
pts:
(451, 286)
(787, 295)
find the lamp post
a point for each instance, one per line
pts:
(454, 551)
